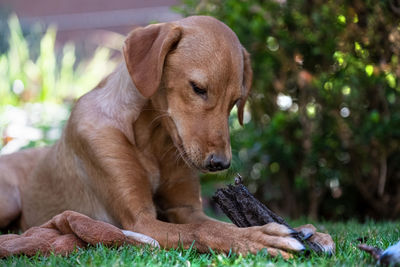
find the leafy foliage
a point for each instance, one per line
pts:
(38, 85)
(324, 135)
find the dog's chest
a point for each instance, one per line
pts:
(151, 167)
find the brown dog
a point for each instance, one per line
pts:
(132, 146)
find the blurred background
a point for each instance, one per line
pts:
(322, 127)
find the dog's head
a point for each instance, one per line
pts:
(195, 70)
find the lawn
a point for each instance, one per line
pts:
(380, 234)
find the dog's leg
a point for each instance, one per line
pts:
(220, 236)
(182, 204)
(135, 211)
(14, 172)
(180, 199)
(10, 203)
(130, 200)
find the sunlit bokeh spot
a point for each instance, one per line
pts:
(345, 112)
(311, 110)
(369, 69)
(18, 87)
(346, 90)
(272, 43)
(284, 101)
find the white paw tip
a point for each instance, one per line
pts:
(141, 238)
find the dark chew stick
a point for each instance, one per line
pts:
(244, 210)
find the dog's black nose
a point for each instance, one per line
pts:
(217, 163)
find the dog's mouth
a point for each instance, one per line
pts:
(177, 140)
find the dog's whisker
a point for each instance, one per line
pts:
(178, 156)
(168, 150)
(157, 118)
(182, 154)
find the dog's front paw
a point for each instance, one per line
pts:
(276, 238)
(324, 241)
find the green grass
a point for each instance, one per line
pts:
(345, 236)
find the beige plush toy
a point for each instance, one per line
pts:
(65, 233)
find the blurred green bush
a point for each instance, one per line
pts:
(38, 84)
(324, 134)
(47, 76)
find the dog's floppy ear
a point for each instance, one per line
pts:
(145, 50)
(247, 80)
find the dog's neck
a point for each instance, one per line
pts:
(118, 99)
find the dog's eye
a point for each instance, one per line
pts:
(200, 91)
